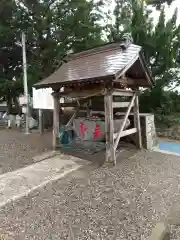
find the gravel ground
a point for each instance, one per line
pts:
(122, 202)
(17, 149)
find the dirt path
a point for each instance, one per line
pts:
(17, 149)
(123, 202)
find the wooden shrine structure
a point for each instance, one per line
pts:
(111, 70)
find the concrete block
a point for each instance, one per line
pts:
(160, 232)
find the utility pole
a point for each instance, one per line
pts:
(25, 81)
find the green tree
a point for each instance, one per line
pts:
(10, 55)
(122, 13)
(52, 28)
(160, 44)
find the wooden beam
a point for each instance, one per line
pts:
(137, 122)
(59, 94)
(126, 132)
(107, 119)
(80, 93)
(124, 122)
(56, 134)
(109, 129)
(69, 104)
(133, 82)
(92, 112)
(74, 103)
(121, 104)
(112, 151)
(122, 93)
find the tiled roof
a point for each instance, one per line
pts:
(105, 62)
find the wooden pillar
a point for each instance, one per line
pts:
(41, 129)
(56, 134)
(89, 106)
(109, 129)
(137, 122)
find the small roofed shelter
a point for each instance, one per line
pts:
(116, 69)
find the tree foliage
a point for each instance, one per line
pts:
(52, 27)
(160, 43)
(159, 3)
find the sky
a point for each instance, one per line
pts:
(170, 10)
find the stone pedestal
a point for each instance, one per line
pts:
(149, 137)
